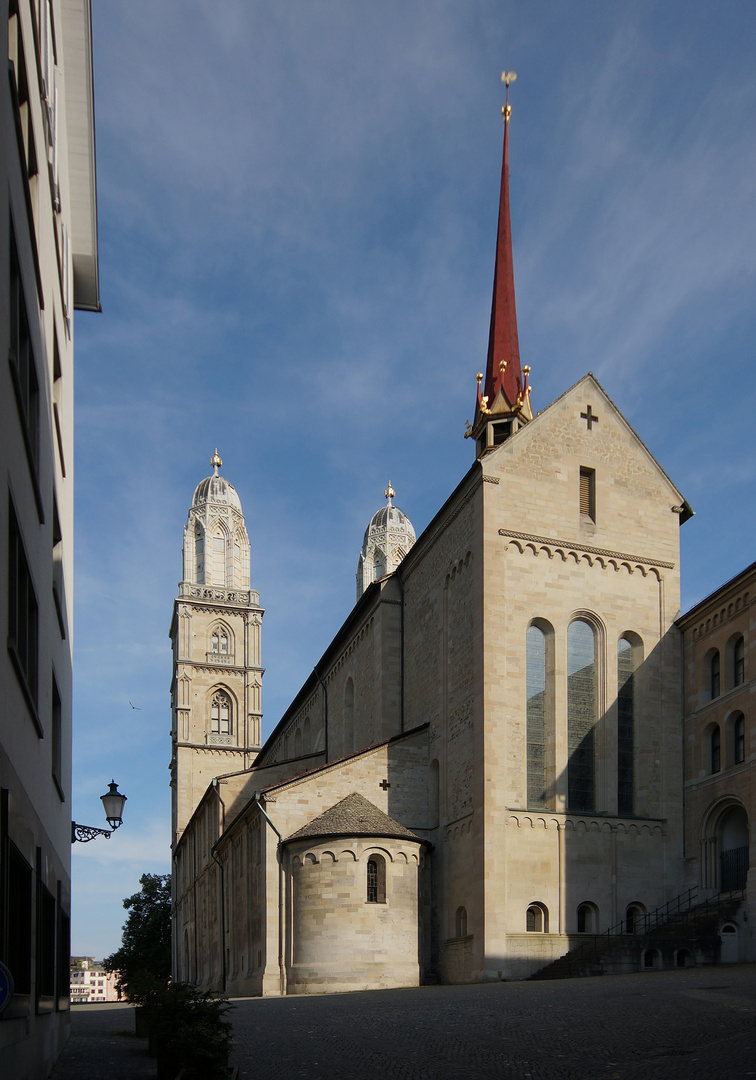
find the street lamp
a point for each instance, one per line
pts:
(112, 802)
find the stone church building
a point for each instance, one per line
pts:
(486, 761)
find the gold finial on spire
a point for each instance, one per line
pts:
(389, 493)
(215, 461)
(507, 77)
(482, 398)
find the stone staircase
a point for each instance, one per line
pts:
(680, 933)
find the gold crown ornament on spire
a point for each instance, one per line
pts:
(215, 461)
(507, 77)
(389, 493)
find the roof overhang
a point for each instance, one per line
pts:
(79, 97)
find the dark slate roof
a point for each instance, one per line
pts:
(354, 816)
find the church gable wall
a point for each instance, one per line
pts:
(539, 474)
(402, 764)
(611, 562)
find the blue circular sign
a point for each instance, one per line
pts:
(6, 986)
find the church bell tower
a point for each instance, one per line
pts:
(215, 633)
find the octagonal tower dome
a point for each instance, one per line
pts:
(216, 545)
(388, 538)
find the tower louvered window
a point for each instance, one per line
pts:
(588, 493)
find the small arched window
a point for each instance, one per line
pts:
(537, 919)
(714, 675)
(716, 749)
(587, 919)
(220, 714)
(635, 920)
(460, 922)
(738, 732)
(738, 660)
(376, 880)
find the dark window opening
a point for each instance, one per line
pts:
(22, 615)
(537, 919)
(22, 365)
(45, 943)
(18, 929)
(625, 727)
(715, 675)
(376, 880)
(739, 662)
(716, 750)
(739, 734)
(582, 707)
(588, 493)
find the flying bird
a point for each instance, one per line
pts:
(138, 709)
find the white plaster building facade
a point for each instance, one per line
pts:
(48, 267)
(91, 984)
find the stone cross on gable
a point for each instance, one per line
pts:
(590, 418)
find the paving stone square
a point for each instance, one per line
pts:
(696, 1024)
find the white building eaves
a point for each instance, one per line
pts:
(79, 97)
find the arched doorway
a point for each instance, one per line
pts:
(733, 849)
(728, 935)
(725, 840)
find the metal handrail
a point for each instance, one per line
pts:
(681, 908)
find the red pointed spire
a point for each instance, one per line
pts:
(503, 344)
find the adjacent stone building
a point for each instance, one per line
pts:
(486, 762)
(48, 268)
(720, 749)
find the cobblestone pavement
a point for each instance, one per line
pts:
(103, 1046)
(697, 1024)
(690, 1024)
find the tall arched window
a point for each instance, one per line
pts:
(582, 708)
(199, 555)
(714, 675)
(738, 659)
(460, 922)
(220, 714)
(535, 647)
(738, 732)
(376, 880)
(219, 560)
(626, 664)
(716, 749)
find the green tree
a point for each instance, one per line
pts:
(144, 958)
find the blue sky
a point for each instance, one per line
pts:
(297, 207)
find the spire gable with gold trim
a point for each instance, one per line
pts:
(503, 398)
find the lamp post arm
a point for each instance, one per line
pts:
(84, 833)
